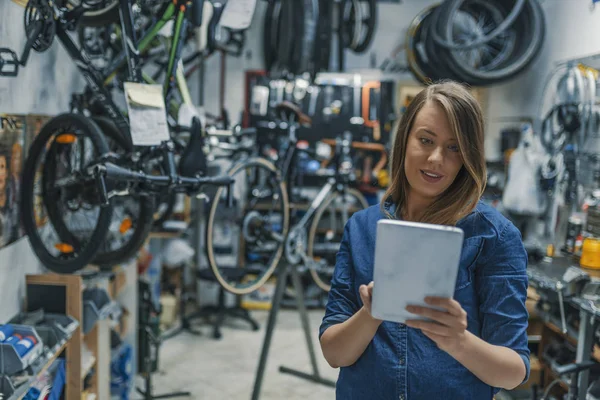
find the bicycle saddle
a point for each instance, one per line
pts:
(289, 110)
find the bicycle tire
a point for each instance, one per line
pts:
(75, 123)
(371, 28)
(450, 12)
(448, 67)
(326, 286)
(311, 20)
(414, 34)
(143, 225)
(531, 21)
(322, 50)
(104, 16)
(270, 29)
(261, 162)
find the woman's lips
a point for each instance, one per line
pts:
(430, 176)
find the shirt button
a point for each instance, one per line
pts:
(402, 361)
(401, 397)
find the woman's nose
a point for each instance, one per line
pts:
(436, 156)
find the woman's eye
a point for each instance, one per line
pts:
(454, 148)
(426, 141)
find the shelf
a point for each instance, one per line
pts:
(165, 235)
(85, 369)
(22, 390)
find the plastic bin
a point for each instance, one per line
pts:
(54, 329)
(97, 305)
(12, 362)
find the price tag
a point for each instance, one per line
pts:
(147, 114)
(237, 14)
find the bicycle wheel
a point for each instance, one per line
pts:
(327, 230)
(57, 194)
(104, 12)
(132, 214)
(259, 216)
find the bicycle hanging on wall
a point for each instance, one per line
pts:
(69, 171)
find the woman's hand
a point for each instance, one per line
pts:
(448, 329)
(366, 294)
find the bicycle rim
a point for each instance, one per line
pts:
(260, 214)
(60, 214)
(327, 230)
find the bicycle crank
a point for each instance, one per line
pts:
(295, 246)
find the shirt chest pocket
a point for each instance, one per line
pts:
(468, 258)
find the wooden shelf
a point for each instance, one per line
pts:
(165, 235)
(24, 389)
(61, 294)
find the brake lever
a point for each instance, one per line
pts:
(8, 66)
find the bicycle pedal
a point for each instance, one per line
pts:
(9, 62)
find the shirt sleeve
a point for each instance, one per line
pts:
(342, 302)
(501, 280)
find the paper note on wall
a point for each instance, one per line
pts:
(147, 114)
(238, 14)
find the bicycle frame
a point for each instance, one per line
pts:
(130, 56)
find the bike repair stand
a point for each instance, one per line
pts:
(184, 320)
(284, 270)
(149, 340)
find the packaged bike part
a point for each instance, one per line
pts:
(6, 331)
(22, 349)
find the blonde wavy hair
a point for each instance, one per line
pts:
(466, 121)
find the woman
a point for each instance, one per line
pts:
(479, 343)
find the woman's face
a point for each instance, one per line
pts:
(3, 173)
(433, 159)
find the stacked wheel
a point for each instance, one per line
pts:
(477, 42)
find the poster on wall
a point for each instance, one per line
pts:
(12, 136)
(34, 124)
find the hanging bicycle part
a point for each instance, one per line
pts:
(221, 38)
(40, 28)
(358, 21)
(474, 41)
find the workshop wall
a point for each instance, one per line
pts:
(505, 103)
(44, 87)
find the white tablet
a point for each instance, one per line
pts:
(412, 261)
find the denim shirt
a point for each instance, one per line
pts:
(401, 362)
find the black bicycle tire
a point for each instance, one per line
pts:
(457, 71)
(413, 34)
(313, 229)
(436, 63)
(100, 17)
(27, 196)
(371, 28)
(309, 35)
(211, 220)
(269, 38)
(145, 218)
(286, 45)
(450, 12)
(533, 21)
(322, 49)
